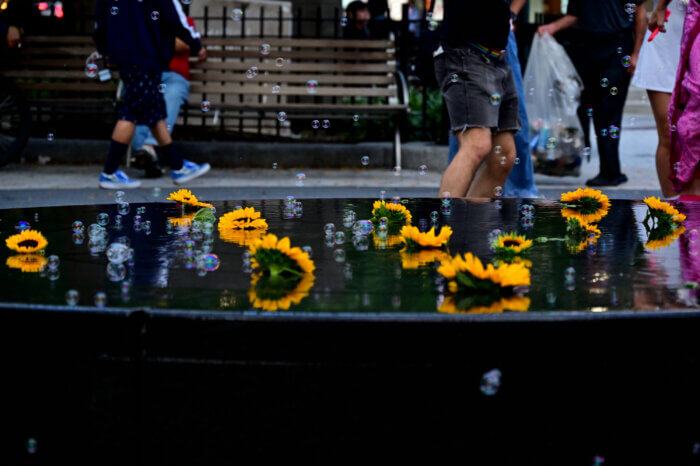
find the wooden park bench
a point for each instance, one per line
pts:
(245, 82)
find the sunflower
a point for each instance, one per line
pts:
(388, 242)
(245, 238)
(467, 274)
(415, 240)
(187, 199)
(510, 245)
(267, 297)
(415, 260)
(588, 204)
(578, 229)
(513, 260)
(512, 303)
(242, 219)
(396, 214)
(654, 242)
(276, 258)
(27, 262)
(27, 242)
(185, 220)
(663, 212)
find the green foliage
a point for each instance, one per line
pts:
(433, 115)
(273, 262)
(205, 216)
(275, 287)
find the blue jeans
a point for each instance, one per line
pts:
(176, 93)
(521, 182)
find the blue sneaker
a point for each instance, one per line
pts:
(189, 171)
(117, 180)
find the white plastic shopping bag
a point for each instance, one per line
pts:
(552, 95)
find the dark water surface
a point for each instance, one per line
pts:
(618, 273)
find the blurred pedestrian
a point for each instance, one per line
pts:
(656, 72)
(176, 92)
(684, 111)
(608, 51)
(379, 26)
(358, 16)
(139, 37)
(480, 95)
(521, 181)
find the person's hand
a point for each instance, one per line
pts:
(548, 28)
(13, 37)
(202, 54)
(633, 63)
(657, 20)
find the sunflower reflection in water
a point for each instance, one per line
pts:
(415, 260)
(284, 274)
(590, 205)
(30, 263)
(473, 287)
(414, 240)
(188, 200)
(184, 221)
(510, 246)
(243, 227)
(663, 223)
(580, 234)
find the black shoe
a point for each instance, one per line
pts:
(601, 180)
(145, 160)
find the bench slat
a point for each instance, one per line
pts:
(275, 42)
(280, 78)
(292, 90)
(77, 87)
(276, 107)
(363, 68)
(307, 54)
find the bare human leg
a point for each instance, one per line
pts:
(496, 167)
(161, 133)
(474, 146)
(123, 132)
(659, 105)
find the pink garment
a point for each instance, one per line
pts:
(684, 111)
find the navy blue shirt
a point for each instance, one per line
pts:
(602, 17)
(142, 33)
(483, 22)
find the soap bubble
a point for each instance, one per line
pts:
(362, 228)
(356, 118)
(495, 99)
(613, 90)
(50, 137)
(276, 89)
(189, 247)
(382, 194)
(78, 238)
(490, 382)
(300, 179)
(282, 116)
(91, 70)
(339, 237)
(676, 167)
(454, 77)
(237, 14)
(434, 215)
(210, 262)
(517, 160)
(123, 208)
(498, 191)
(117, 253)
(498, 149)
(603, 132)
(251, 72)
(308, 250)
(326, 124)
(22, 225)
(100, 299)
(422, 169)
(614, 132)
(343, 21)
(311, 86)
(329, 229)
(156, 192)
(78, 226)
(32, 445)
(570, 273)
(279, 62)
(162, 87)
(433, 25)
(102, 219)
(53, 262)
(551, 143)
(206, 105)
(360, 242)
(364, 160)
(72, 297)
(119, 196)
(527, 210)
(397, 171)
(493, 235)
(315, 124)
(265, 49)
(630, 8)
(604, 82)
(114, 11)
(626, 61)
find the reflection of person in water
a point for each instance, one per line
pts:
(689, 248)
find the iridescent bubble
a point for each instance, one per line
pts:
(570, 273)
(32, 444)
(78, 238)
(72, 297)
(22, 225)
(433, 25)
(315, 124)
(517, 160)
(114, 11)
(308, 250)
(551, 143)
(102, 219)
(206, 105)
(497, 149)
(155, 15)
(162, 88)
(495, 99)
(614, 132)
(498, 191)
(311, 86)
(276, 89)
(329, 229)
(50, 137)
(397, 171)
(274, 165)
(78, 226)
(589, 112)
(603, 132)
(491, 382)
(326, 124)
(364, 160)
(676, 167)
(279, 62)
(282, 116)
(53, 262)
(613, 91)
(604, 82)
(117, 253)
(156, 192)
(251, 72)
(265, 49)
(356, 118)
(434, 215)
(363, 228)
(626, 61)
(100, 299)
(503, 160)
(339, 237)
(123, 208)
(91, 70)
(237, 14)
(343, 21)
(300, 179)
(454, 77)
(189, 247)
(630, 8)
(210, 262)
(119, 196)
(422, 169)
(383, 230)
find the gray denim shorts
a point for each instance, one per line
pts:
(479, 91)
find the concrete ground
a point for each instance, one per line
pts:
(34, 184)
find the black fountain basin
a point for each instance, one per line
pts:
(179, 367)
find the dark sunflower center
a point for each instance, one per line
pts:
(28, 243)
(509, 243)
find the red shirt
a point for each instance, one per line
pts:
(181, 61)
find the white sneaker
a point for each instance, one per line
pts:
(189, 172)
(117, 180)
